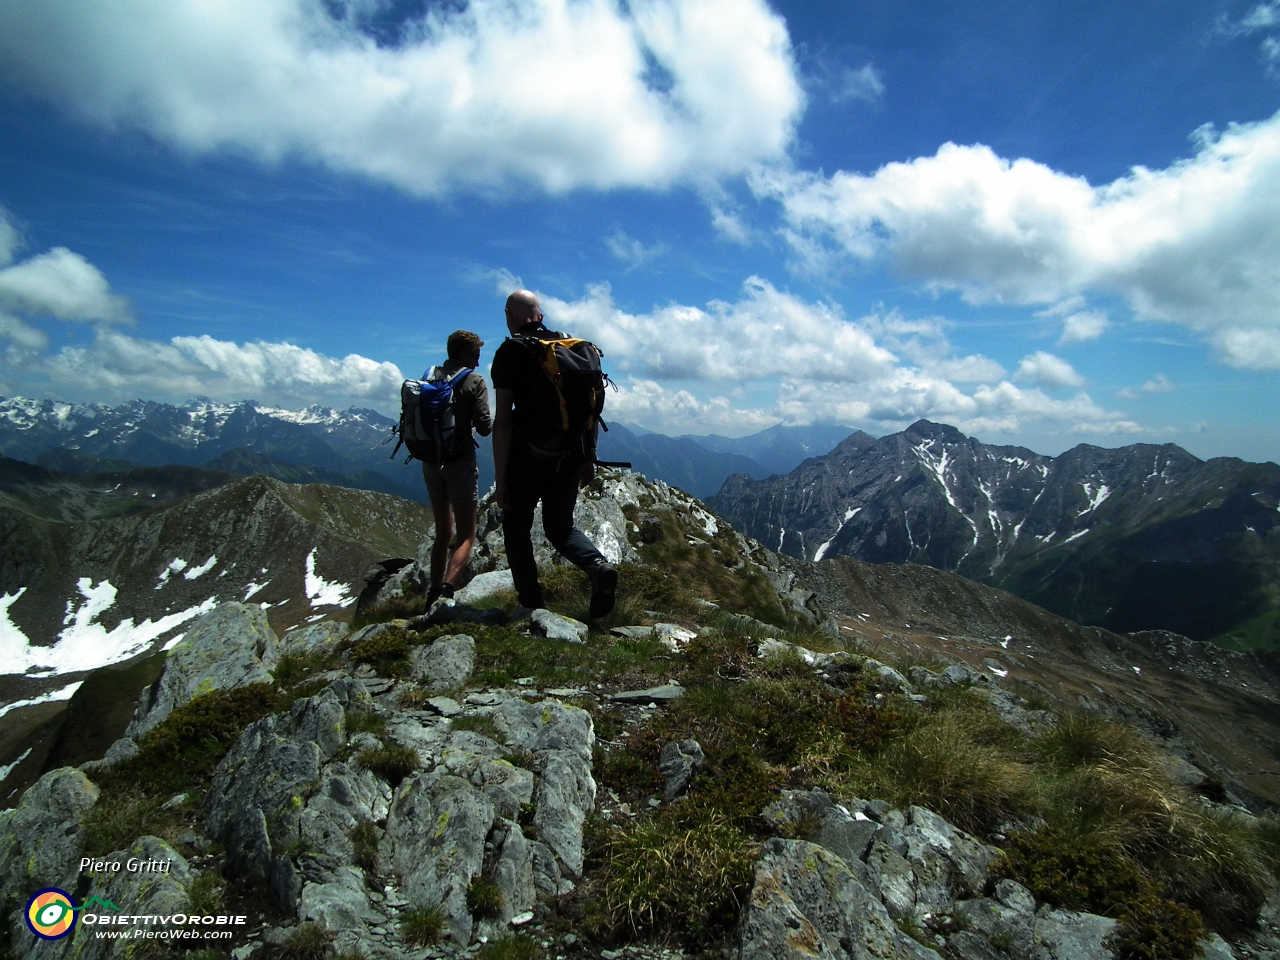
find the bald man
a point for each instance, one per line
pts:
(524, 477)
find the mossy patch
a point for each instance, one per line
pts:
(387, 652)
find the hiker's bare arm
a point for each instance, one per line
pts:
(586, 473)
(481, 418)
(504, 403)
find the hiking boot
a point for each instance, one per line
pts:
(604, 590)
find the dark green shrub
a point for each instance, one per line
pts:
(387, 652)
(186, 747)
(1059, 869)
(484, 900)
(1157, 929)
(295, 667)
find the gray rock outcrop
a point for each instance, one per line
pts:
(444, 664)
(676, 762)
(259, 789)
(40, 838)
(231, 646)
(322, 637)
(806, 903)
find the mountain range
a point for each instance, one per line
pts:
(1138, 537)
(345, 448)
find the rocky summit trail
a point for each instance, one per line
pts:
(739, 762)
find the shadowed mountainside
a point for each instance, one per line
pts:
(1134, 538)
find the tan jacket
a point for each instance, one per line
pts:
(471, 409)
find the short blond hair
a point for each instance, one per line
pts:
(462, 343)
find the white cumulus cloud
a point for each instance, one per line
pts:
(487, 94)
(631, 251)
(120, 366)
(21, 335)
(770, 357)
(863, 84)
(767, 333)
(1197, 243)
(677, 411)
(60, 284)
(10, 238)
(1046, 370)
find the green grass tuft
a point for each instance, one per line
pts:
(307, 941)
(364, 841)
(387, 652)
(514, 946)
(366, 721)
(205, 895)
(391, 762)
(669, 876)
(421, 926)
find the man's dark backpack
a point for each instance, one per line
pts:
(568, 396)
(428, 427)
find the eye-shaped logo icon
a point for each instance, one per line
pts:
(51, 914)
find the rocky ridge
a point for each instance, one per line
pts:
(285, 803)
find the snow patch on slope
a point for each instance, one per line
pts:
(8, 768)
(848, 515)
(322, 592)
(1095, 497)
(84, 644)
(202, 569)
(64, 693)
(313, 414)
(177, 565)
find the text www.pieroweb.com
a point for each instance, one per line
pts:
(175, 927)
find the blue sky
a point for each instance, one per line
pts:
(1044, 223)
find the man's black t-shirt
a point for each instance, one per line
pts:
(515, 368)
